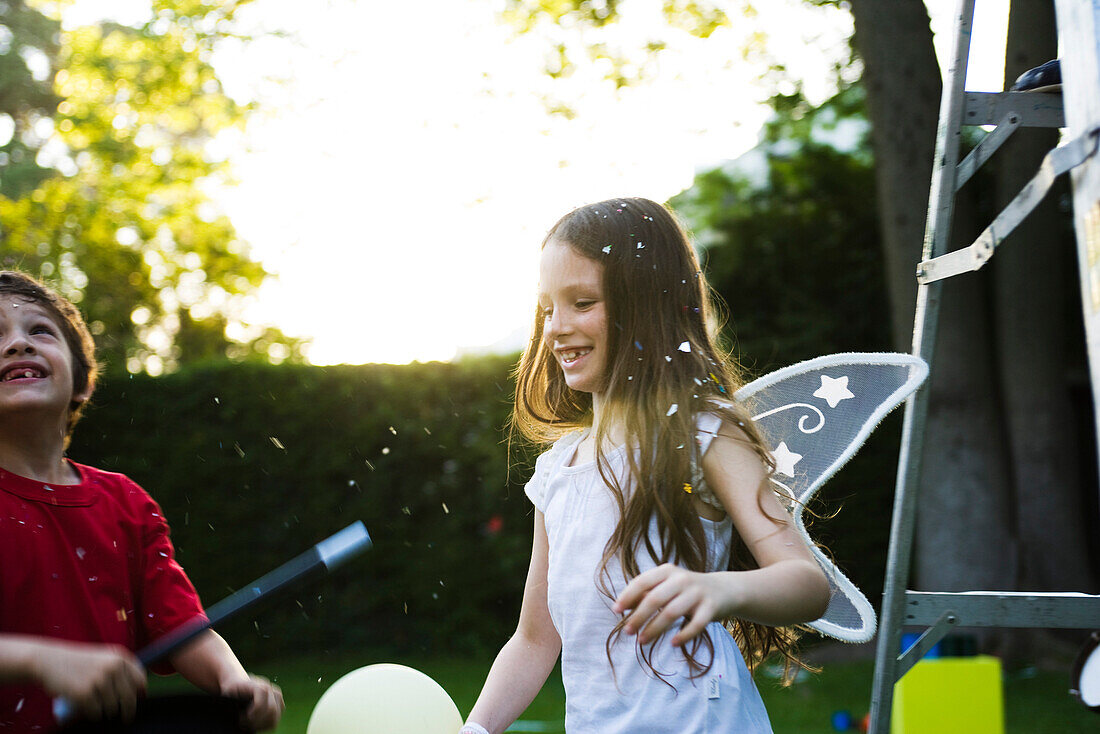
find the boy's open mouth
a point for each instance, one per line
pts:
(20, 373)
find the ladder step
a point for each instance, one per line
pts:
(1068, 610)
(1036, 109)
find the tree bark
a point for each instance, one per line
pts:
(999, 503)
(965, 516)
(1039, 341)
(962, 539)
(903, 85)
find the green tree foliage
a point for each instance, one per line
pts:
(28, 39)
(125, 225)
(789, 236)
(588, 33)
(621, 43)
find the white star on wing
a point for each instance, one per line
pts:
(785, 459)
(833, 390)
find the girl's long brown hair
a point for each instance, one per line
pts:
(662, 352)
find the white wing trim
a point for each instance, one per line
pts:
(918, 371)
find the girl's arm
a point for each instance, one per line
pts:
(210, 664)
(526, 660)
(788, 588)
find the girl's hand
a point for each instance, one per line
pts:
(265, 701)
(667, 593)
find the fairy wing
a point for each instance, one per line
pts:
(815, 415)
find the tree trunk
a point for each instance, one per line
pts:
(999, 499)
(903, 85)
(965, 515)
(962, 536)
(1039, 340)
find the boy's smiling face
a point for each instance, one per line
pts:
(36, 364)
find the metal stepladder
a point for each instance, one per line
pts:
(939, 612)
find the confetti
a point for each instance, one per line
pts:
(672, 410)
(277, 442)
(685, 347)
(445, 510)
(638, 346)
(687, 488)
(607, 250)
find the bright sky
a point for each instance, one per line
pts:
(404, 169)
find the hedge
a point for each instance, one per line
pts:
(254, 463)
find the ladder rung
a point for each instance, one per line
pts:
(1005, 609)
(1036, 109)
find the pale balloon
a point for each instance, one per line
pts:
(385, 698)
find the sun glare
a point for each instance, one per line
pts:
(403, 167)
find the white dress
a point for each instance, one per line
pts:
(580, 516)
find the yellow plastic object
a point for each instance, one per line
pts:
(385, 698)
(950, 696)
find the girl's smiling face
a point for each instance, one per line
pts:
(574, 316)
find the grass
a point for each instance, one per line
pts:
(1036, 702)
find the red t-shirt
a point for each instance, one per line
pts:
(90, 562)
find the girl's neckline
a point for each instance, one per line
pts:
(568, 467)
(570, 463)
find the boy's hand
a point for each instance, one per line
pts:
(101, 681)
(265, 701)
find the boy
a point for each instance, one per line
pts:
(87, 573)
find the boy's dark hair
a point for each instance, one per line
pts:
(73, 329)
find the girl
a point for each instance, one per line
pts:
(653, 484)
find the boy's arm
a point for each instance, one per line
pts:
(527, 658)
(210, 664)
(99, 680)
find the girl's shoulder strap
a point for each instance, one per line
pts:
(707, 425)
(546, 465)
